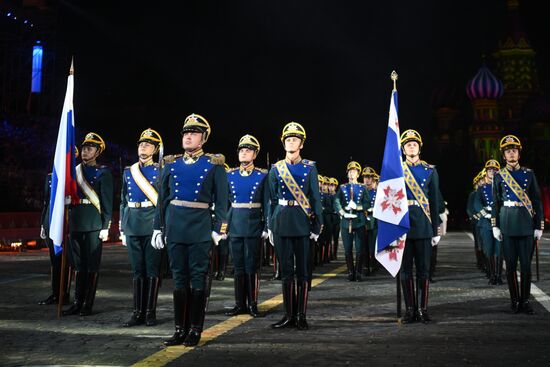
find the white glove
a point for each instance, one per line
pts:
(538, 234)
(123, 238)
(488, 216)
(270, 236)
(104, 235)
(497, 234)
(216, 237)
(313, 236)
(488, 208)
(42, 232)
(351, 205)
(443, 217)
(435, 240)
(156, 240)
(265, 235)
(350, 216)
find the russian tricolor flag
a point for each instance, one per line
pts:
(64, 171)
(391, 206)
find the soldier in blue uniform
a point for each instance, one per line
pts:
(325, 239)
(482, 205)
(138, 199)
(369, 180)
(89, 222)
(221, 252)
(335, 218)
(190, 185)
(249, 197)
(352, 202)
(473, 217)
(517, 219)
(422, 183)
(295, 217)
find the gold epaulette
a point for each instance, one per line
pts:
(262, 170)
(233, 169)
(426, 164)
(169, 159)
(217, 159)
(308, 162)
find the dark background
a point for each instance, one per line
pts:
(252, 66)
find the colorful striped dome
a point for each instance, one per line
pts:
(484, 85)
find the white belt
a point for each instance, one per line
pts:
(246, 205)
(139, 204)
(511, 203)
(285, 202)
(190, 204)
(413, 202)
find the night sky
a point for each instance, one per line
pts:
(252, 66)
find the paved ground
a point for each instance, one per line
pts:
(350, 323)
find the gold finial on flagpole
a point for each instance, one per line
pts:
(394, 77)
(71, 70)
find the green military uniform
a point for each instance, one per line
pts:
(190, 186)
(352, 202)
(422, 184)
(482, 206)
(55, 260)
(137, 211)
(325, 239)
(295, 217)
(372, 224)
(473, 217)
(516, 217)
(334, 218)
(249, 197)
(89, 218)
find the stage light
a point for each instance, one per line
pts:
(9, 14)
(36, 77)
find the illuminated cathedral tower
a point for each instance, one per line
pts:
(484, 90)
(516, 67)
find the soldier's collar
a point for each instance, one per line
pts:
(246, 170)
(298, 160)
(146, 164)
(89, 163)
(517, 167)
(196, 154)
(417, 163)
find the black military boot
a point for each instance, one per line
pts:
(408, 295)
(499, 263)
(487, 266)
(240, 297)
(359, 267)
(351, 270)
(151, 301)
(422, 293)
(137, 315)
(79, 289)
(433, 263)
(196, 317)
(276, 269)
(512, 279)
(289, 303)
(91, 289)
(493, 270)
(302, 295)
(252, 288)
(52, 298)
(181, 317)
(222, 266)
(526, 293)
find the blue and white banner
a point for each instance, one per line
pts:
(391, 206)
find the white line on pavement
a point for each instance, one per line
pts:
(23, 278)
(536, 292)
